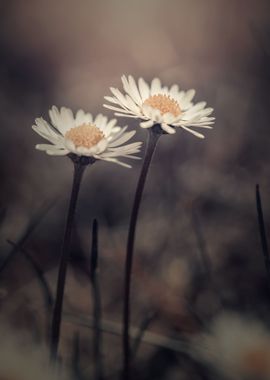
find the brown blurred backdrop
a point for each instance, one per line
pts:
(69, 53)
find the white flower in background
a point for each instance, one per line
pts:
(84, 135)
(20, 359)
(156, 104)
(238, 347)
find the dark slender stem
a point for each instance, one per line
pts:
(65, 253)
(263, 233)
(97, 315)
(154, 134)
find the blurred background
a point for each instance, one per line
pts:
(198, 243)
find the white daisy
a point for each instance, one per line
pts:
(237, 346)
(84, 135)
(156, 104)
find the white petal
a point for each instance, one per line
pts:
(48, 146)
(164, 90)
(203, 126)
(174, 91)
(155, 86)
(144, 89)
(111, 99)
(56, 118)
(119, 96)
(47, 128)
(113, 108)
(83, 118)
(134, 90)
(67, 117)
(156, 115)
(63, 120)
(124, 115)
(197, 134)
(123, 150)
(206, 112)
(70, 145)
(168, 129)
(197, 107)
(147, 124)
(114, 136)
(131, 156)
(110, 128)
(99, 120)
(62, 152)
(179, 96)
(124, 138)
(132, 105)
(168, 118)
(82, 151)
(101, 146)
(189, 95)
(53, 140)
(147, 111)
(131, 89)
(113, 160)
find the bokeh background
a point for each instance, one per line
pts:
(200, 194)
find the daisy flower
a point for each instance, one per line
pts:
(83, 135)
(171, 108)
(84, 139)
(236, 346)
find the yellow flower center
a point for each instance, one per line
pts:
(86, 135)
(164, 103)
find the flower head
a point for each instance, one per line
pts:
(236, 346)
(156, 104)
(84, 135)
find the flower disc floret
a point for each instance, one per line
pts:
(86, 135)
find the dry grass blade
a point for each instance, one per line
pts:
(115, 328)
(48, 297)
(144, 326)
(32, 225)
